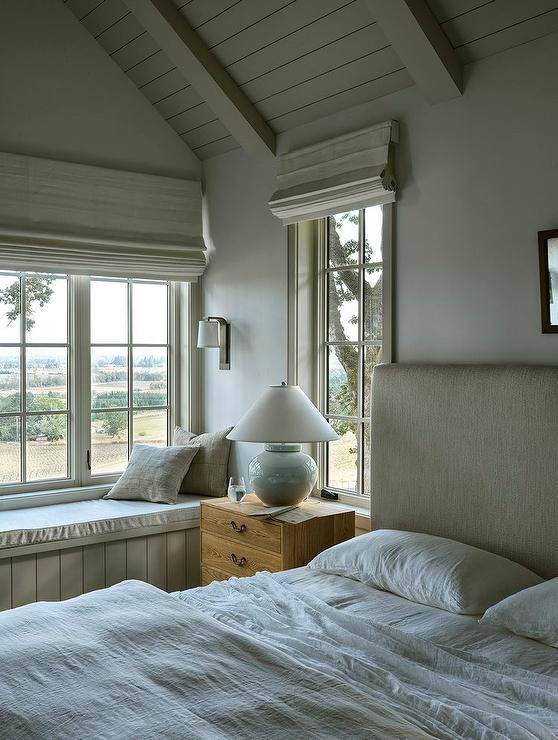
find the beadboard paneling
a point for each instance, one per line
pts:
(169, 560)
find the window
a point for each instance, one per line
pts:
(351, 333)
(129, 370)
(35, 395)
(85, 372)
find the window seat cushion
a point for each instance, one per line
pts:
(39, 524)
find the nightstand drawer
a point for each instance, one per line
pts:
(211, 574)
(236, 558)
(246, 530)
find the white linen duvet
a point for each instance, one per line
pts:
(248, 658)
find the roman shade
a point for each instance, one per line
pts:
(351, 171)
(78, 219)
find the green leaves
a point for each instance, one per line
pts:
(37, 294)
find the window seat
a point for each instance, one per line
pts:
(93, 518)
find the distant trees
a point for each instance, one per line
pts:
(113, 423)
(119, 399)
(52, 427)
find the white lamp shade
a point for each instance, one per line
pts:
(208, 334)
(283, 413)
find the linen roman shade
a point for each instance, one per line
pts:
(351, 171)
(78, 219)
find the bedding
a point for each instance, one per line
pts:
(532, 613)
(456, 631)
(430, 570)
(250, 658)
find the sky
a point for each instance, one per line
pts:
(108, 314)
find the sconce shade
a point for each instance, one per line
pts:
(208, 334)
(283, 413)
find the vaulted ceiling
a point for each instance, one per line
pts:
(286, 62)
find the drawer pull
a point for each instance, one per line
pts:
(236, 528)
(241, 562)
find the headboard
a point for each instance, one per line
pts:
(469, 452)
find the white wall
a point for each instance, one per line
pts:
(478, 177)
(63, 98)
(245, 283)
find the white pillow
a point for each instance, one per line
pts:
(153, 474)
(532, 613)
(426, 569)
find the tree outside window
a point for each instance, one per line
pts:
(352, 342)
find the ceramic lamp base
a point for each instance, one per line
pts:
(282, 475)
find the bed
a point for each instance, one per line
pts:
(308, 654)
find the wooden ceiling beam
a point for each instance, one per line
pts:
(416, 36)
(204, 72)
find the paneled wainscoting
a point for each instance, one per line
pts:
(168, 559)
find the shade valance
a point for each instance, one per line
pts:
(78, 219)
(351, 171)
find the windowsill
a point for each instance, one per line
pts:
(361, 512)
(45, 498)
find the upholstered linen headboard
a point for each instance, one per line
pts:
(469, 452)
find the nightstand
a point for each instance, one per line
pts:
(234, 544)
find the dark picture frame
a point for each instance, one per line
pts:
(548, 257)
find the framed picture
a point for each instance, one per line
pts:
(548, 267)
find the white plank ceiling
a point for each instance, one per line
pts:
(296, 60)
(479, 29)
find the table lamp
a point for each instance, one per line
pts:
(283, 417)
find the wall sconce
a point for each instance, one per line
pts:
(214, 331)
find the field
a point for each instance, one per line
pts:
(342, 462)
(109, 455)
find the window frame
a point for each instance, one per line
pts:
(129, 346)
(181, 300)
(307, 321)
(322, 344)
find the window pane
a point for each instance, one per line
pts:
(342, 379)
(149, 301)
(373, 303)
(150, 427)
(9, 379)
(46, 448)
(47, 378)
(343, 457)
(109, 312)
(46, 313)
(372, 356)
(10, 309)
(109, 377)
(10, 450)
(373, 234)
(150, 376)
(343, 295)
(109, 441)
(343, 239)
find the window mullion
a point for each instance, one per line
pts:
(81, 366)
(322, 348)
(23, 381)
(130, 372)
(173, 358)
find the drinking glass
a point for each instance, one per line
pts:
(237, 489)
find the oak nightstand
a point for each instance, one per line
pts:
(234, 544)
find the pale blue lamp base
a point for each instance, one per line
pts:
(282, 475)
